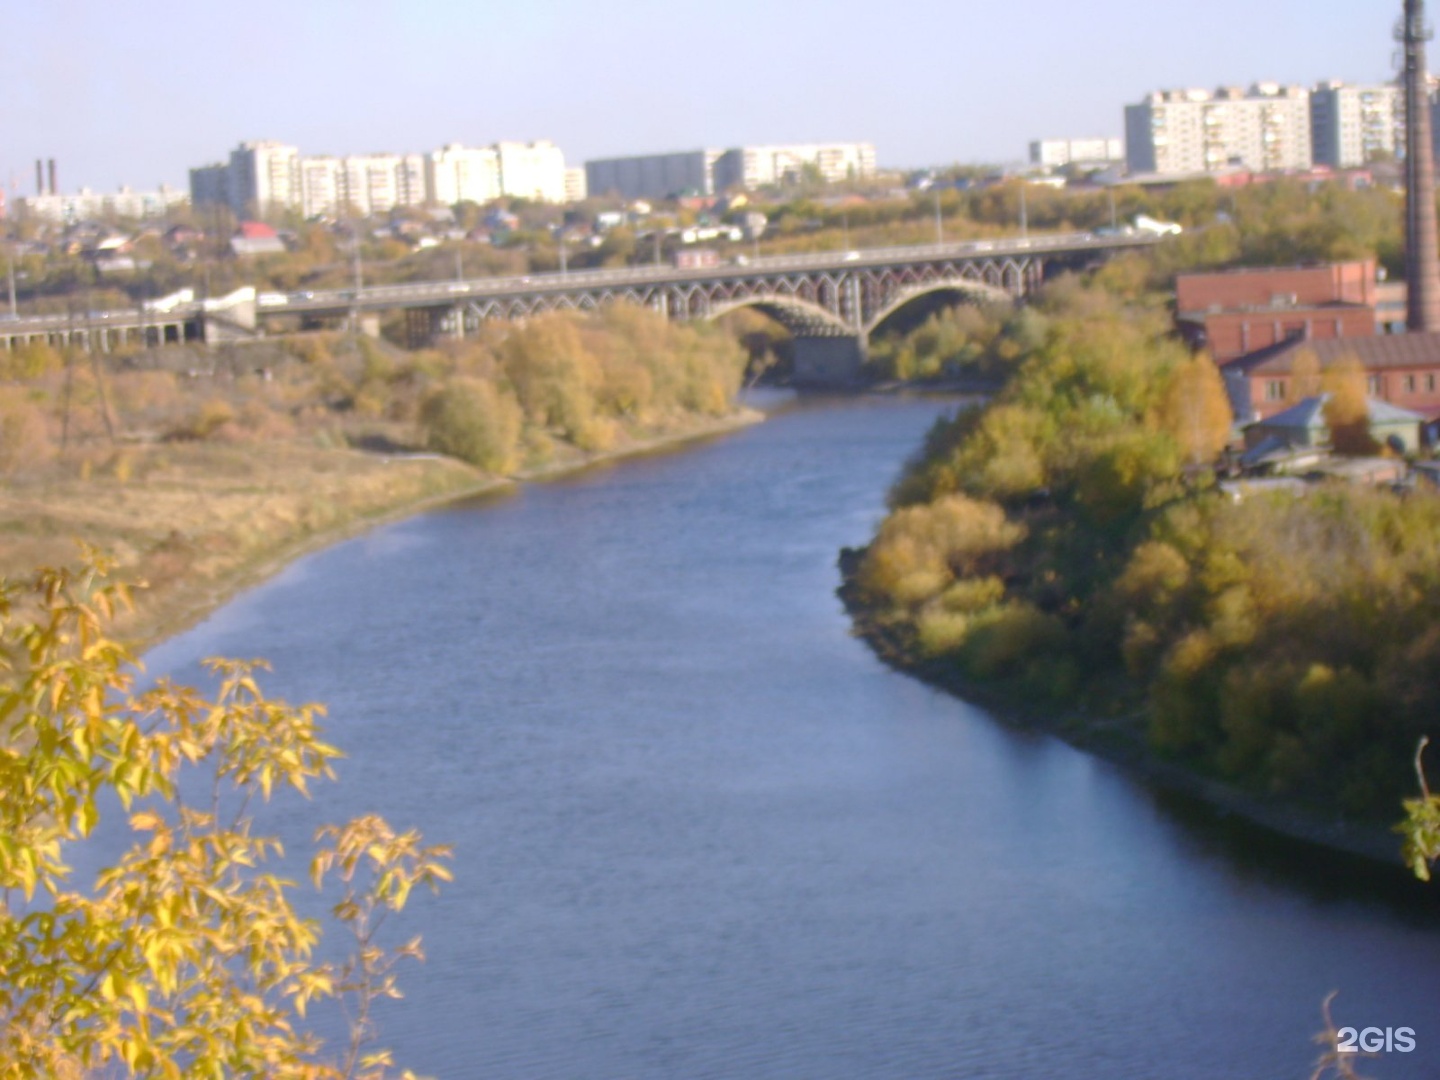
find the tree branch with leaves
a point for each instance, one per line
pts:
(187, 956)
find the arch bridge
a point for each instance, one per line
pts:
(830, 301)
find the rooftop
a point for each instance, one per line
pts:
(1418, 350)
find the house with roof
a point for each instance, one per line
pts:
(256, 238)
(1402, 370)
(1298, 438)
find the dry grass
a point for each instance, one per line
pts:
(194, 522)
(202, 471)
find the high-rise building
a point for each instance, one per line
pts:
(1351, 126)
(264, 177)
(653, 176)
(1265, 128)
(210, 185)
(455, 174)
(533, 170)
(361, 185)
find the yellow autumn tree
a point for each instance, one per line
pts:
(1305, 374)
(185, 957)
(1347, 412)
(1196, 410)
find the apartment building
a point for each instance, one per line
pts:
(533, 170)
(262, 178)
(455, 174)
(86, 205)
(360, 185)
(1353, 125)
(1265, 128)
(653, 176)
(749, 167)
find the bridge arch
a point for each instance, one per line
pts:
(801, 317)
(969, 291)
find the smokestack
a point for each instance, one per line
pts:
(1422, 264)
(39, 177)
(52, 189)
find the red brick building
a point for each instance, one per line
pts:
(1402, 369)
(1235, 312)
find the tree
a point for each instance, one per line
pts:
(186, 957)
(1197, 410)
(473, 420)
(1347, 412)
(1305, 374)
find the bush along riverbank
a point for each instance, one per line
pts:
(203, 471)
(1063, 555)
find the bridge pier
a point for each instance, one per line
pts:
(834, 361)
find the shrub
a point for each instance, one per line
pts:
(472, 420)
(929, 545)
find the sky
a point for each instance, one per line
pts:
(139, 92)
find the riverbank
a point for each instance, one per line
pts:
(1113, 740)
(193, 525)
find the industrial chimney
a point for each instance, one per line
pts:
(1422, 273)
(53, 192)
(39, 177)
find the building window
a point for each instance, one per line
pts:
(1430, 383)
(1409, 384)
(1372, 385)
(1275, 390)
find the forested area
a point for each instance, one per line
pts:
(1066, 547)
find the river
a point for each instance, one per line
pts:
(700, 831)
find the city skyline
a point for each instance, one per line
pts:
(375, 76)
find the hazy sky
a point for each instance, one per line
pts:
(137, 92)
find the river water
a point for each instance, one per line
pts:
(700, 831)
